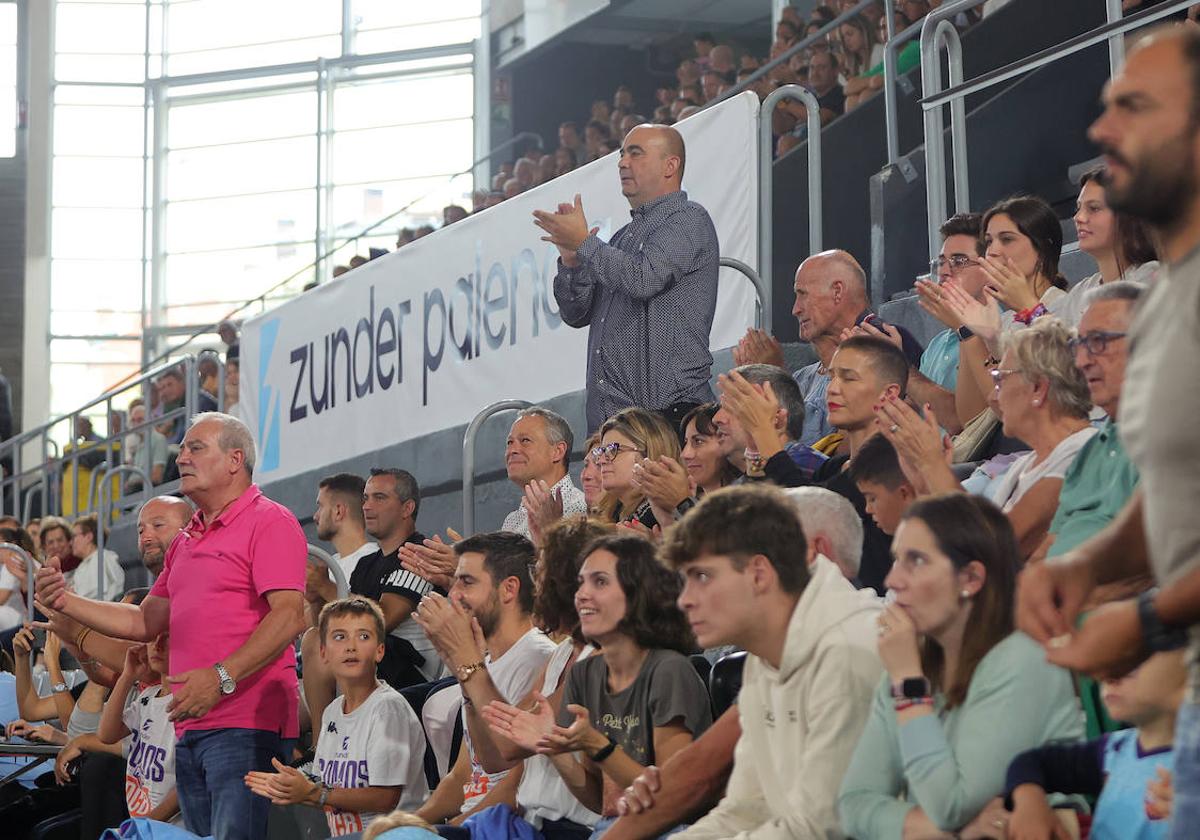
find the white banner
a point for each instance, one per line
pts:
(422, 338)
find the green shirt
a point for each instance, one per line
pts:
(939, 362)
(953, 762)
(907, 59)
(1095, 488)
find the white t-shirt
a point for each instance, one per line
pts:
(542, 794)
(513, 675)
(12, 611)
(1021, 475)
(350, 561)
(83, 579)
(380, 743)
(1070, 307)
(150, 764)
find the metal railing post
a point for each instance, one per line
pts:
(29, 582)
(1116, 41)
(755, 281)
(766, 161)
(335, 569)
(105, 512)
(469, 456)
(946, 34)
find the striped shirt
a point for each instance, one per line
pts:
(648, 298)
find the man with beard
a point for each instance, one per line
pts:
(485, 634)
(1150, 135)
(339, 520)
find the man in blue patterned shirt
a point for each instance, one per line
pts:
(649, 295)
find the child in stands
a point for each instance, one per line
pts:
(371, 749)
(150, 765)
(877, 473)
(1118, 766)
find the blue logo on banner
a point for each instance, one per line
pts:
(268, 401)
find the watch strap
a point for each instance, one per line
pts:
(1156, 635)
(324, 797)
(464, 672)
(604, 752)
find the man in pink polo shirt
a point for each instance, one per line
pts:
(232, 597)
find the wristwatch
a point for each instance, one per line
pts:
(964, 332)
(227, 682)
(912, 688)
(59, 688)
(464, 672)
(1156, 635)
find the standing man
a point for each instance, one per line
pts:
(1150, 135)
(649, 295)
(538, 452)
(232, 597)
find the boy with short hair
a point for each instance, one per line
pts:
(1118, 766)
(371, 748)
(150, 766)
(876, 472)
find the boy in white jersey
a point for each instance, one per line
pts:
(150, 766)
(371, 749)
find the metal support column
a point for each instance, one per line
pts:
(469, 456)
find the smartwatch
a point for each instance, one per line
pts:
(964, 332)
(1157, 636)
(604, 752)
(912, 688)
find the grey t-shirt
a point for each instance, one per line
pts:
(1160, 404)
(666, 688)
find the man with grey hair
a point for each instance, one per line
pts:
(832, 527)
(231, 595)
(537, 455)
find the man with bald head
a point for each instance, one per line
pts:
(648, 296)
(831, 296)
(159, 520)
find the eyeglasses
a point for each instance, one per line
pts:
(1096, 343)
(956, 263)
(999, 374)
(607, 454)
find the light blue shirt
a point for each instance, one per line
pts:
(939, 362)
(8, 713)
(813, 388)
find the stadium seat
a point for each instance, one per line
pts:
(725, 681)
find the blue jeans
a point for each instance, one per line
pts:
(1185, 810)
(209, 768)
(606, 823)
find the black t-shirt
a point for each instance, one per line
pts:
(834, 100)
(877, 546)
(380, 574)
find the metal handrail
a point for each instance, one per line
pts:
(932, 100)
(469, 456)
(891, 108)
(105, 511)
(766, 159)
(29, 582)
(339, 574)
(340, 242)
(786, 55)
(755, 280)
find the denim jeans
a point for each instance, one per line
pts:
(209, 768)
(1185, 811)
(606, 823)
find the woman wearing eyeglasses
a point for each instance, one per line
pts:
(625, 439)
(589, 476)
(1042, 399)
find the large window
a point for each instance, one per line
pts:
(206, 150)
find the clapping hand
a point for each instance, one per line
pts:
(456, 635)
(931, 298)
(567, 228)
(51, 585)
(580, 735)
(525, 728)
(758, 347)
(288, 786)
(543, 507)
(1006, 284)
(983, 319)
(433, 560)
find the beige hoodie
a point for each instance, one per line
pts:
(800, 723)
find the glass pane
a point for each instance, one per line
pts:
(84, 320)
(8, 79)
(413, 37)
(255, 55)
(82, 27)
(82, 67)
(403, 101)
(241, 222)
(236, 120)
(101, 234)
(205, 25)
(373, 14)
(371, 155)
(235, 275)
(246, 168)
(353, 208)
(87, 367)
(97, 182)
(104, 284)
(68, 94)
(98, 130)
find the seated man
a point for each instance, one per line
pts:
(370, 748)
(877, 474)
(538, 452)
(492, 595)
(85, 579)
(812, 644)
(694, 778)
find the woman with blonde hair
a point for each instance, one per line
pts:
(1042, 399)
(625, 439)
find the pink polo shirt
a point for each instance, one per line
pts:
(216, 577)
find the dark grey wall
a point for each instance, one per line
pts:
(12, 276)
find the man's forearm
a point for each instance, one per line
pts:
(121, 621)
(278, 630)
(923, 390)
(1178, 604)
